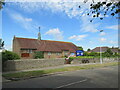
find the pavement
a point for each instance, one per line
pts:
(60, 66)
(106, 77)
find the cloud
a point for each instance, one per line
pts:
(28, 19)
(18, 17)
(115, 27)
(87, 26)
(69, 7)
(78, 37)
(8, 47)
(103, 39)
(103, 16)
(102, 33)
(56, 33)
(91, 42)
(113, 42)
(25, 22)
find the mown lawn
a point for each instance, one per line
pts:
(48, 71)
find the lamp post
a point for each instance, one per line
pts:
(100, 55)
(101, 51)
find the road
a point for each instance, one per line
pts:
(106, 77)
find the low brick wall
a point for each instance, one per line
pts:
(94, 60)
(79, 60)
(110, 59)
(18, 65)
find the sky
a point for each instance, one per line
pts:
(58, 20)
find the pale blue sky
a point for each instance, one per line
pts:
(61, 21)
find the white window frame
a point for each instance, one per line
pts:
(29, 51)
(58, 53)
(49, 53)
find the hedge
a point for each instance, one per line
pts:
(8, 55)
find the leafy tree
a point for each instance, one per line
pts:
(103, 8)
(109, 51)
(112, 47)
(80, 48)
(116, 54)
(39, 55)
(1, 4)
(1, 43)
(88, 49)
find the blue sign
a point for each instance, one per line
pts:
(79, 53)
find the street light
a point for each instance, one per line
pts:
(101, 51)
(100, 55)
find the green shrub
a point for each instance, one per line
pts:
(38, 55)
(8, 55)
(86, 54)
(71, 59)
(95, 54)
(85, 57)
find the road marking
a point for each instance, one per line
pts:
(72, 83)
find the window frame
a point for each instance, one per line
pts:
(29, 51)
(58, 53)
(49, 53)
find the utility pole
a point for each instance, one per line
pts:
(101, 51)
(100, 55)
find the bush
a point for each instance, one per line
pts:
(8, 55)
(95, 54)
(86, 54)
(70, 59)
(38, 55)
(84, 57)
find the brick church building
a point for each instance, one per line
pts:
(25, 47)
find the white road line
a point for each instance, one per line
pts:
(72, 83)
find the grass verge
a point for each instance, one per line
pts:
(48, 71)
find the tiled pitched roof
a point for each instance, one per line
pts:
(104, 49)
(114, 49)
(97, 49)
(45, 45)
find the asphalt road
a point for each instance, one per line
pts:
(106, 77)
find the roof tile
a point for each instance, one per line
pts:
(45, 45)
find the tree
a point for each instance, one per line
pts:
(108, 53)
(112, 47)
(88, 49)
(38, 55)
(1, 43)
(80, 48)
(1, 4)
(103, 8)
